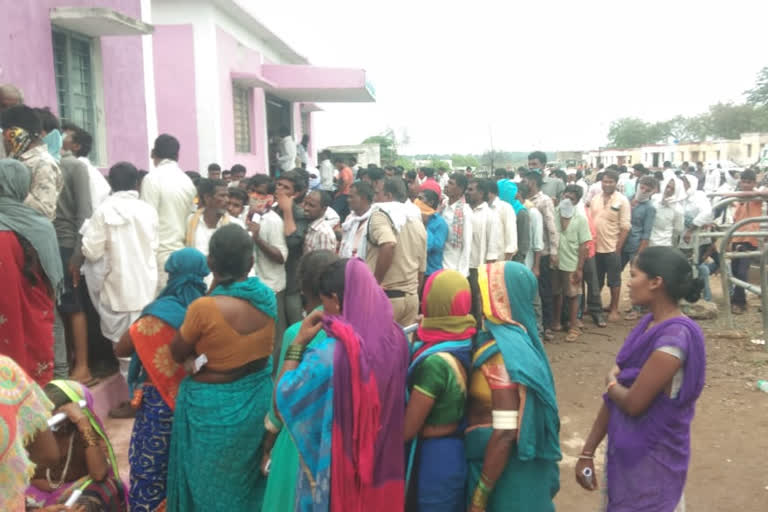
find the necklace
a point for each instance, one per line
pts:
(66, 465)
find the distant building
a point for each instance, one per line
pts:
(744, 151)
(364, 153)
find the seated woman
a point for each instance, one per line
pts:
(350, 441)
(512, 443)
(218, 424)
(278, 445)
(651, 392)
(25, 439)
(87, 464)
(156, 377)
(32, 272)
(437, 378)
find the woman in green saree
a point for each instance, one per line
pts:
(281, 458)
(511, 443)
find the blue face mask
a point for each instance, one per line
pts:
(53, 142)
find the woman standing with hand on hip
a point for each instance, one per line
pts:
(651, 392)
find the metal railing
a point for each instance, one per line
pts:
(726, 276)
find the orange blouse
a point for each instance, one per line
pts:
(225, 348)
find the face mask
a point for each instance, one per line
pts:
(566, 208)
(260, 203)
(642, 196)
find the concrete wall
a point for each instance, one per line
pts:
(174, 65)
(220, 47)
(26, 60)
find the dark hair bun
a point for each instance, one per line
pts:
(695, 290)
(674, 268)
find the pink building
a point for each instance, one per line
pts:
(206, 71)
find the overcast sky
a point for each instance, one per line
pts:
(536, 74)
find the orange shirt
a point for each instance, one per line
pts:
(345, 181)
(610, 215)
(743, 211)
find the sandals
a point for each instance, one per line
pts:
(549, 335)
(599, 320)
(573, 335)
(632, 316)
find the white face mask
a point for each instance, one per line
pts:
(566, 208)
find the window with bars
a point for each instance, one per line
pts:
(242, 104)
(74, 81)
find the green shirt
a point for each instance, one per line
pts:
(440, 378)
(571, 239)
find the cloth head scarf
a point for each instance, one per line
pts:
(677, 196)
(424, 207)
(430, 184)
(731, 180)
(508, 193)
(186, 269)
(446, 305)
(507, 291)
(24, 412)
(18, 139)
(369, 371)
(25, 221)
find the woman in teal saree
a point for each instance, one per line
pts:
(512, 442)
(218, 423)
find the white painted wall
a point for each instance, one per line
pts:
(149, 76)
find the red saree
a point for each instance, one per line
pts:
(26, 313)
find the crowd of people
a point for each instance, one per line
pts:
(259, 322)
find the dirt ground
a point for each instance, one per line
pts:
(728, 469)
(729, 463)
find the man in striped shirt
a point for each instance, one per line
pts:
(320, 234)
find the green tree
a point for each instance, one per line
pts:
(464, 161)
(729, 121)
(387, 142)
(404, 162)
(629, 132)
(758, 95)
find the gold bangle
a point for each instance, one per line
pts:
(90, 437)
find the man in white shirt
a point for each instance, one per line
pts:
(458, 216)
(286, 153)
(80, 144)
(353, 239)
(270, 251)
(326, 171)
(123, 232)
(171, 193)
(442, 178)
(485, 236)
(213, 215)
(302, 152)
(508, 222)
(713, 179)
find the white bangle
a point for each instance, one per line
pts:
(504, 420)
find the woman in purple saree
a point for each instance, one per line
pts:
(651, 393)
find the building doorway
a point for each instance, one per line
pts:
(278, 117)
